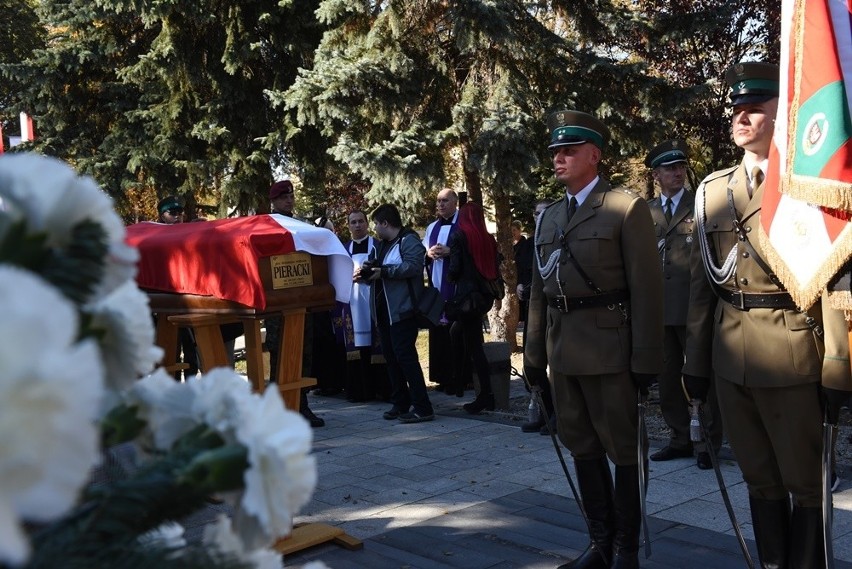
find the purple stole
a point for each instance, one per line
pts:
(440, 280)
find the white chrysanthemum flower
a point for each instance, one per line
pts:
(50, 391)
(219, 399)
(165, 405)
(220, 536)
(221, 402)
(282, 474)
(127, 345)
(54, 199)
(168, 535)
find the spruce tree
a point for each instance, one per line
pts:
(22, 34)
(170, 97)
(415, 95)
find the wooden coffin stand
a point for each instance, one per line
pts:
(290, 293)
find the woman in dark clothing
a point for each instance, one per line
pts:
(472, 262)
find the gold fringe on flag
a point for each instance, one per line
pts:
(806, 294)
(833, 194)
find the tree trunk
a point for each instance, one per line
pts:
(503, 318)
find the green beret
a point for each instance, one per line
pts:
(574, 127)
(167, 203)
(668, 152)
(752, 82)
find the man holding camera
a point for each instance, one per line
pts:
(394, 270)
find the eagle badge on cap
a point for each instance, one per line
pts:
(739, 69)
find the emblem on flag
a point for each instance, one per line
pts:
(815, 134)
(807, 200)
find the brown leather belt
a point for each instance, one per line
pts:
(566, 303)
(748, 300)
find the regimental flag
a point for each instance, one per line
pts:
(807, 200)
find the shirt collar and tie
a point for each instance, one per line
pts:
(669, 204)
(755, 172)
(756, 179)
(572, 208)
(578, 198)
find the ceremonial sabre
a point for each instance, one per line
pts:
(695, 412)
(535, 390)
(643, 474)
(827, 503)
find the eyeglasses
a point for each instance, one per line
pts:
(175, 210)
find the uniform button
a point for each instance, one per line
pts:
(746, 255)
(748, 229)
(715, 226)
(743, 281)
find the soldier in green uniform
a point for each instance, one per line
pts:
(674, 220)
(595, 319)
(767, 357)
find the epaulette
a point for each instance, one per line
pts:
(719, 174)
(627, 191)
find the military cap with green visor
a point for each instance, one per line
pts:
(667, 153)
(167, 203)
(752, 82)
(568, 128)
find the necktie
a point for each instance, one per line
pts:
(668, 210)
(756, 179)
(572, 208)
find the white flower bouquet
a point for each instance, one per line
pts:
(77, 377)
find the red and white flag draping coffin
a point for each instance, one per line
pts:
(807, 198)
(220, 258)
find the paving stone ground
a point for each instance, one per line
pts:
(476, 492)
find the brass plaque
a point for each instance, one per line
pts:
(293, 270)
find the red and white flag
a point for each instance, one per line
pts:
(807, 200)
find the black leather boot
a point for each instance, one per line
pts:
(307, 413)
(482, 402)
(595, 484)
(628, 518)
(806, 547)
(771, 521)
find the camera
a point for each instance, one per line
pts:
(367, 268)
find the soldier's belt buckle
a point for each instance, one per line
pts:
(738, 299)
(560, 303)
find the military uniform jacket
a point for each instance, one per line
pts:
(612, 238)
(761, 347)
(674, 243)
